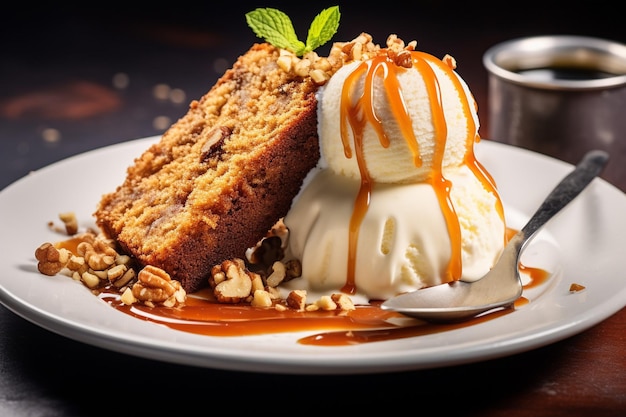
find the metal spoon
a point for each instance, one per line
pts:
(502, 285)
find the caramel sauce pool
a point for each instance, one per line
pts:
(366, 324)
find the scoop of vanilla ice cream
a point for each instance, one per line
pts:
(403, 244)
(396, 163)
(402, 227)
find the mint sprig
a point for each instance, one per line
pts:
(276, 27)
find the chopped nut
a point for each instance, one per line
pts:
(127, 297)
(293, 269)
(394, 43)
(280, 307)
(77, 264)
(303, 67)
(90, 280)
(576, 287)
(278, 274)
(357, 51)
(154, 286)
(213, 142)
(261, 298)
(51, 260)
(326, 303)
(319, 77)
(100, 274)
(285, 62)
(128, 276)
(123, 260)
(449, 61)
(257, 283)
(155, 277)
(297, 299)
(273, 292)
(217, 276)
(115, 272)
(404, 59)
(235, 281)
(70, 222)
(98, 255)
(343, 302)
(322, 64)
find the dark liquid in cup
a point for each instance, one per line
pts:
(564, 73)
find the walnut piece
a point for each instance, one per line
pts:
(261, 298)
(343, 301)
(279, 272)
(155, 287)
(213, 143)
(231, 281)
(297, 300)
(98, 255)
(51, 260)
(70, 222)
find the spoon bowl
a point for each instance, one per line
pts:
(501, 286)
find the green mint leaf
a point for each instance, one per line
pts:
(323, 28)
(275, 27)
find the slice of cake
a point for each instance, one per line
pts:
(222, 175)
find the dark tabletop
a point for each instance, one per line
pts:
(72, 80)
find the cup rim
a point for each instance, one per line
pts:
(531, 49)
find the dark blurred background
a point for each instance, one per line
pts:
(76, 78)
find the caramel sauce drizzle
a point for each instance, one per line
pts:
(365, 324)
(357, 113)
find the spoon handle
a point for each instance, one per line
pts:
(587, 169)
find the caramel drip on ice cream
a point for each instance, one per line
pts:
(439, 183)
(473, 137)
(357, 113)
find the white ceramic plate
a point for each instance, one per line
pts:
(582, 244)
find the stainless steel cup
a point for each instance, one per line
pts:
(560, 95)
